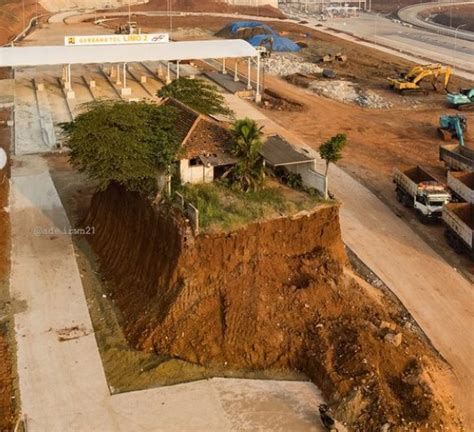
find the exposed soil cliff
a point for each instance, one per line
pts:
(274, 293)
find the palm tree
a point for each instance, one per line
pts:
(248, 173)
(331, 151)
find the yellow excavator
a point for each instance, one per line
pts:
(410, 81)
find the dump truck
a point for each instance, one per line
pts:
(459, 221)
(418, 189)
(463, 101)
(457, 157)
(461, 183)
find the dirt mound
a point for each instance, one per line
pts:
(273, 294)
(11, 18)
(452, 16)
(215, 6)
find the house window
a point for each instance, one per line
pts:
(195, 162)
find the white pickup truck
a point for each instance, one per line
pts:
(462, 185)
(418, 189)
(459, 221)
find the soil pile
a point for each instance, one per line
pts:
(11, 18)
(213, 6)
(452, 16)
(272, 294)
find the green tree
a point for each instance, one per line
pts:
(197, 94)
(126, 143)
(331, 150)
(248, 173)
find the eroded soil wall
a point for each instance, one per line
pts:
(272, 294)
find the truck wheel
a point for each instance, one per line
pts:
(407, 201)
(399, 196)
(423, 218)
(453, 242)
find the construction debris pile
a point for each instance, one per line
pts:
(287, 65)
(348, 92)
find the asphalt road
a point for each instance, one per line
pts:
(410, 15)
(416, 42)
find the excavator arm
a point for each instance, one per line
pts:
(459, 130)
(412, 79)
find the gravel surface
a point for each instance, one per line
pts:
(348, 92)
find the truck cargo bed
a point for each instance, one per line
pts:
(459, 218)
(457, 157)
(462, 183)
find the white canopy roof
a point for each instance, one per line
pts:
(60, 55)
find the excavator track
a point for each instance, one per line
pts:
(414, 92)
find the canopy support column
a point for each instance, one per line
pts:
(224, 71)
(236, 70)
(68, 84)
(125, 91)
(168, 74)
(258, 96)
(177, 70)
(249, 70)
(118, 82)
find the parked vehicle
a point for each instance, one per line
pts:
(457, 157)
(461, 183)
(418, 189)
(463, 101)
(459, 221)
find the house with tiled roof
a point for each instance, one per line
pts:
(205, 145)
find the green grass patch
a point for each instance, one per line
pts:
(221, 207)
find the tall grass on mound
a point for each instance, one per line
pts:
(221, 207)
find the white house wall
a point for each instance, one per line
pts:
(195, 174)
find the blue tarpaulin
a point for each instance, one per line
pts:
(263, 35)
(238, 25)
(279, 43)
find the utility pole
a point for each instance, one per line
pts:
(455, 42)
(170, 6)
(24, 18)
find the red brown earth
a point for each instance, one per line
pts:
(11, 17)
(454, 16)
(209, 6)
(7, 404)
(272, 294)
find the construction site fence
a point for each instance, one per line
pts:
(191, 212)
(311, 179)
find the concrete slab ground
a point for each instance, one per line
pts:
(227, 82)
(62, 383)
(28, 133)
(6, 93)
